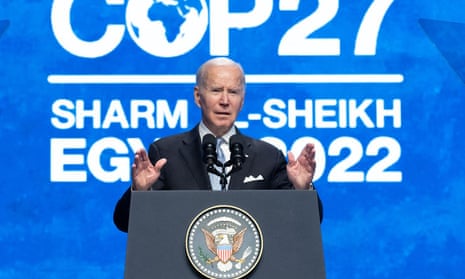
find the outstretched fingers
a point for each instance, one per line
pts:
(144, 173)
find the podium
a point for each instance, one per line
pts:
(288, 220)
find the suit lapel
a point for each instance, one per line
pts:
(191, 153)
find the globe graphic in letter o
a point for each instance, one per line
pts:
(167, 28)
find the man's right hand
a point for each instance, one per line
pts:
(144, 173)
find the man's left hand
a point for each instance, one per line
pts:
(301, 171)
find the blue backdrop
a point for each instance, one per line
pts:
(378, 85)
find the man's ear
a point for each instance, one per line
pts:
(197, 96)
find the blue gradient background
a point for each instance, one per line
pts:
(413, 229)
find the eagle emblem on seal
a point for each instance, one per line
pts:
(224, 244)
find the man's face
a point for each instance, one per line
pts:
(220, 97)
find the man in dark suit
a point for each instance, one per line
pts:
(175, 162)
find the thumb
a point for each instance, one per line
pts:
(290, 157)
(160, 163)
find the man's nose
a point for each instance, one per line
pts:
(224, 98)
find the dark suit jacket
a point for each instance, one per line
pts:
(264, 168)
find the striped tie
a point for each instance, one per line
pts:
(219, 150)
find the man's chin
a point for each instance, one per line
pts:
(224, 121)
(224, 125)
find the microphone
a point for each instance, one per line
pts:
(210, 158)
(209, 149)
(236, 146)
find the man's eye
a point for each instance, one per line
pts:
(234, 92)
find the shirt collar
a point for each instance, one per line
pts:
(203, 130)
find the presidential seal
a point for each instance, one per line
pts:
(224, 242)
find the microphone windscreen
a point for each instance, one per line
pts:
(236, 146)
(235, 140)
(209, 139)
(209, 149)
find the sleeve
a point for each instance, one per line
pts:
(121, 212)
